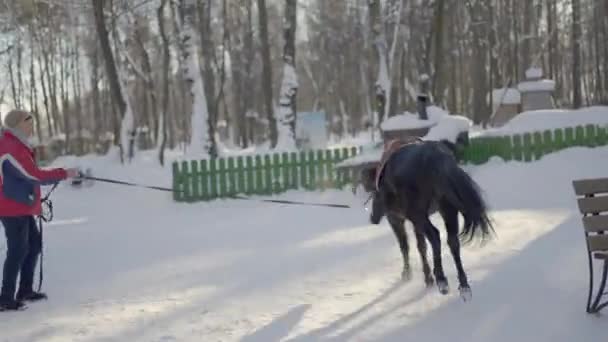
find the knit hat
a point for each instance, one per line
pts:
(14, 118)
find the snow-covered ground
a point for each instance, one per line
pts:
(129, 264)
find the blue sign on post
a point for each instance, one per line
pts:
(311, 130)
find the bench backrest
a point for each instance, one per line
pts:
(593, 204)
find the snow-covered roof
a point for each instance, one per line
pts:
(449, 127)
(507, 95)
(532, 86)
(550, 119)
(409, 120)
(534, 73)
(446, 127)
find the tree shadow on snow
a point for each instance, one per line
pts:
(323, 334)
(254, 274)
(278, 328)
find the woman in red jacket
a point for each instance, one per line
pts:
(20, 181)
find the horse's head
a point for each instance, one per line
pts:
(378, 208)
(367, 178)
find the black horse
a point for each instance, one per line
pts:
(416, 180)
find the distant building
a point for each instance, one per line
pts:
(536, 92)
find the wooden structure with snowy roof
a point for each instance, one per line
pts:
(536, 92)
(506, 104)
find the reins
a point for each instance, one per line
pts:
(45, 216)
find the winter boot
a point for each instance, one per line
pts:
(31, 296)
(11, 305)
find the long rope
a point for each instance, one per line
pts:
(45, 216)
(331, 205)
(113, 181)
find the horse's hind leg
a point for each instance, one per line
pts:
(421, 244)
(432, 233)
(397, 224)
(450, 217)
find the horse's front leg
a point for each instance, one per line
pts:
(398, 226)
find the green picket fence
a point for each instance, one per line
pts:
(532, 146)
(202, 180)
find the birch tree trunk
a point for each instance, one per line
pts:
(201, 136)
(249, 77)
(382, 85)
(289, 86)
(162, 126)
(439, 80)
(267, 72)
(118, 95)
(96, 98)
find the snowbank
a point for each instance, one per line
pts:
(540, 120)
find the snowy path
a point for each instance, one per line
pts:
(131, 265)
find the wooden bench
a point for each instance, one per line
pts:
(593, 204)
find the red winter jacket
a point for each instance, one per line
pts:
(20, 178)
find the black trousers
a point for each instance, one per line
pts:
(24, 244)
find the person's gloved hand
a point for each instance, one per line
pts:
(73, 173)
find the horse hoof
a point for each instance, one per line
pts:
(443, 287)
(406, 274)
(429, 281)
(465, 293)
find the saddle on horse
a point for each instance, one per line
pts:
(391, 147)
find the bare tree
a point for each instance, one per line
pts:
(201, 136)
(267, 71)
(289, 86)
(576, 54)
(382, 85)
(165, 82)
(127, 129)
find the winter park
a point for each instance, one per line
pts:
(304, 170)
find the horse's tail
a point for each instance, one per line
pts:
(465, 195)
